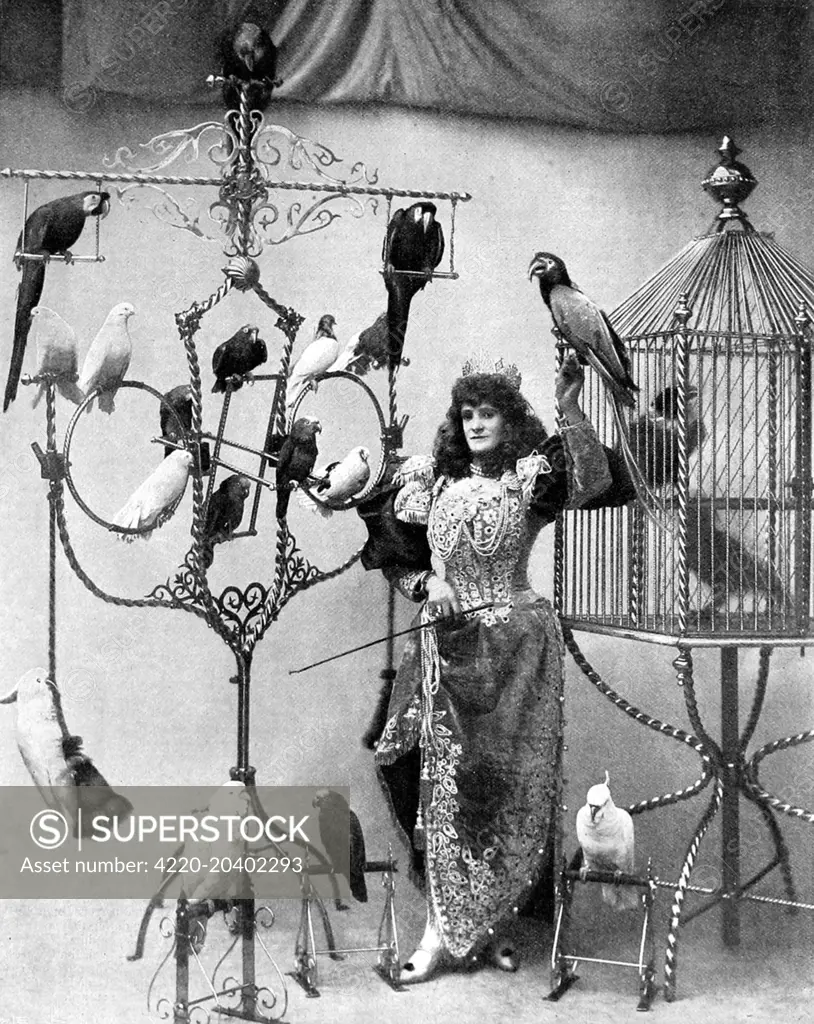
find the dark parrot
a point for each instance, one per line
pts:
(296, 460)
(248, 54)
(238, 356)
(224, 513)
(589, 332)
(333, 813)
(654, 436)
(178, 401)
(367, 350)
(50, 230)
(414, 242)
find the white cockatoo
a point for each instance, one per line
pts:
(151, 502)
(342, 480)
(605, 833)
(318, 357)
(108, 357)
(56, 353)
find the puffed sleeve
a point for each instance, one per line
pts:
(396, 521)
(578, 472)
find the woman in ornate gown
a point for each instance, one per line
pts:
(470, 755)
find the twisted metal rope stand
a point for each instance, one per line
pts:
(726, 766)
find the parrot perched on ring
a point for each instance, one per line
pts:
(151, 503)
(337, 824)
(108, 358)
(590, 333)
(50, 230)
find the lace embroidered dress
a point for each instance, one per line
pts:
(471, 753)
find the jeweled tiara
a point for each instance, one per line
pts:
(482, 362)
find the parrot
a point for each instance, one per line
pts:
(49, 231)
(179, 401)
(655, 440)
(248, 54)
(367, 349)
(589, 332)
(333, 813)
(237, 357)
(318, 357)
(297, 457)
(55, 760)
(224, 513)
(108, 358)
(605, 833)
(56, 353)
(150, 503)
(343, 479)
(414, 242)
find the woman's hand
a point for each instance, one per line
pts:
(442, 601)
(568, 388)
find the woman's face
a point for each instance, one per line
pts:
(483, 427)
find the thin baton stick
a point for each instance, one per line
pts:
(390, 636)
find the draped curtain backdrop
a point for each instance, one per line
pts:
(613, 65)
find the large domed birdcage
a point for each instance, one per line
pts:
(720, 346)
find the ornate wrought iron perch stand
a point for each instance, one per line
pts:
(240, 617)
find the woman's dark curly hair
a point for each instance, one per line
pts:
(523, 431)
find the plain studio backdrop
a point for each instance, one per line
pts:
(149, 690)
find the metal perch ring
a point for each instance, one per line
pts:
(66, 452)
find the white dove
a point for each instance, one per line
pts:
(605, 833)
(342, 479)
(317, 359)
(108, 357)
(56, 353)
(150, 502)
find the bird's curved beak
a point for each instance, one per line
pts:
(105, 208)
(534, 268)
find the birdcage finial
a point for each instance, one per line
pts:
(729, 182)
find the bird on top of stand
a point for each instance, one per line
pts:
(367, 350)
(177, 400)
(50, 230)
(414, 242)
(237, 357)
(605, 833)
(108, 358)
(57, 353)
(589, 332)
(341, 480)
(297, 458)
(248, 55)
(152, 501)
(224, 513)
(317, 358)
(338, 824)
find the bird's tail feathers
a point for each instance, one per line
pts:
(129, 517)
(107, 401)
(651, 503)
(620, 391)
(308, 503)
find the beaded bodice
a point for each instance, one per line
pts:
(480, 530)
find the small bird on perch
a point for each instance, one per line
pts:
(179, 401)
(152, 502)
(605, 833)
(317, 358)
(236, 357)
(50, 230)
(343, 479)
(414, 242)
(57, 353)
(297, 458)
(338, 824)
(108, 358)
(224, 513)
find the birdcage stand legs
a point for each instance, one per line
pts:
(564, 963)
